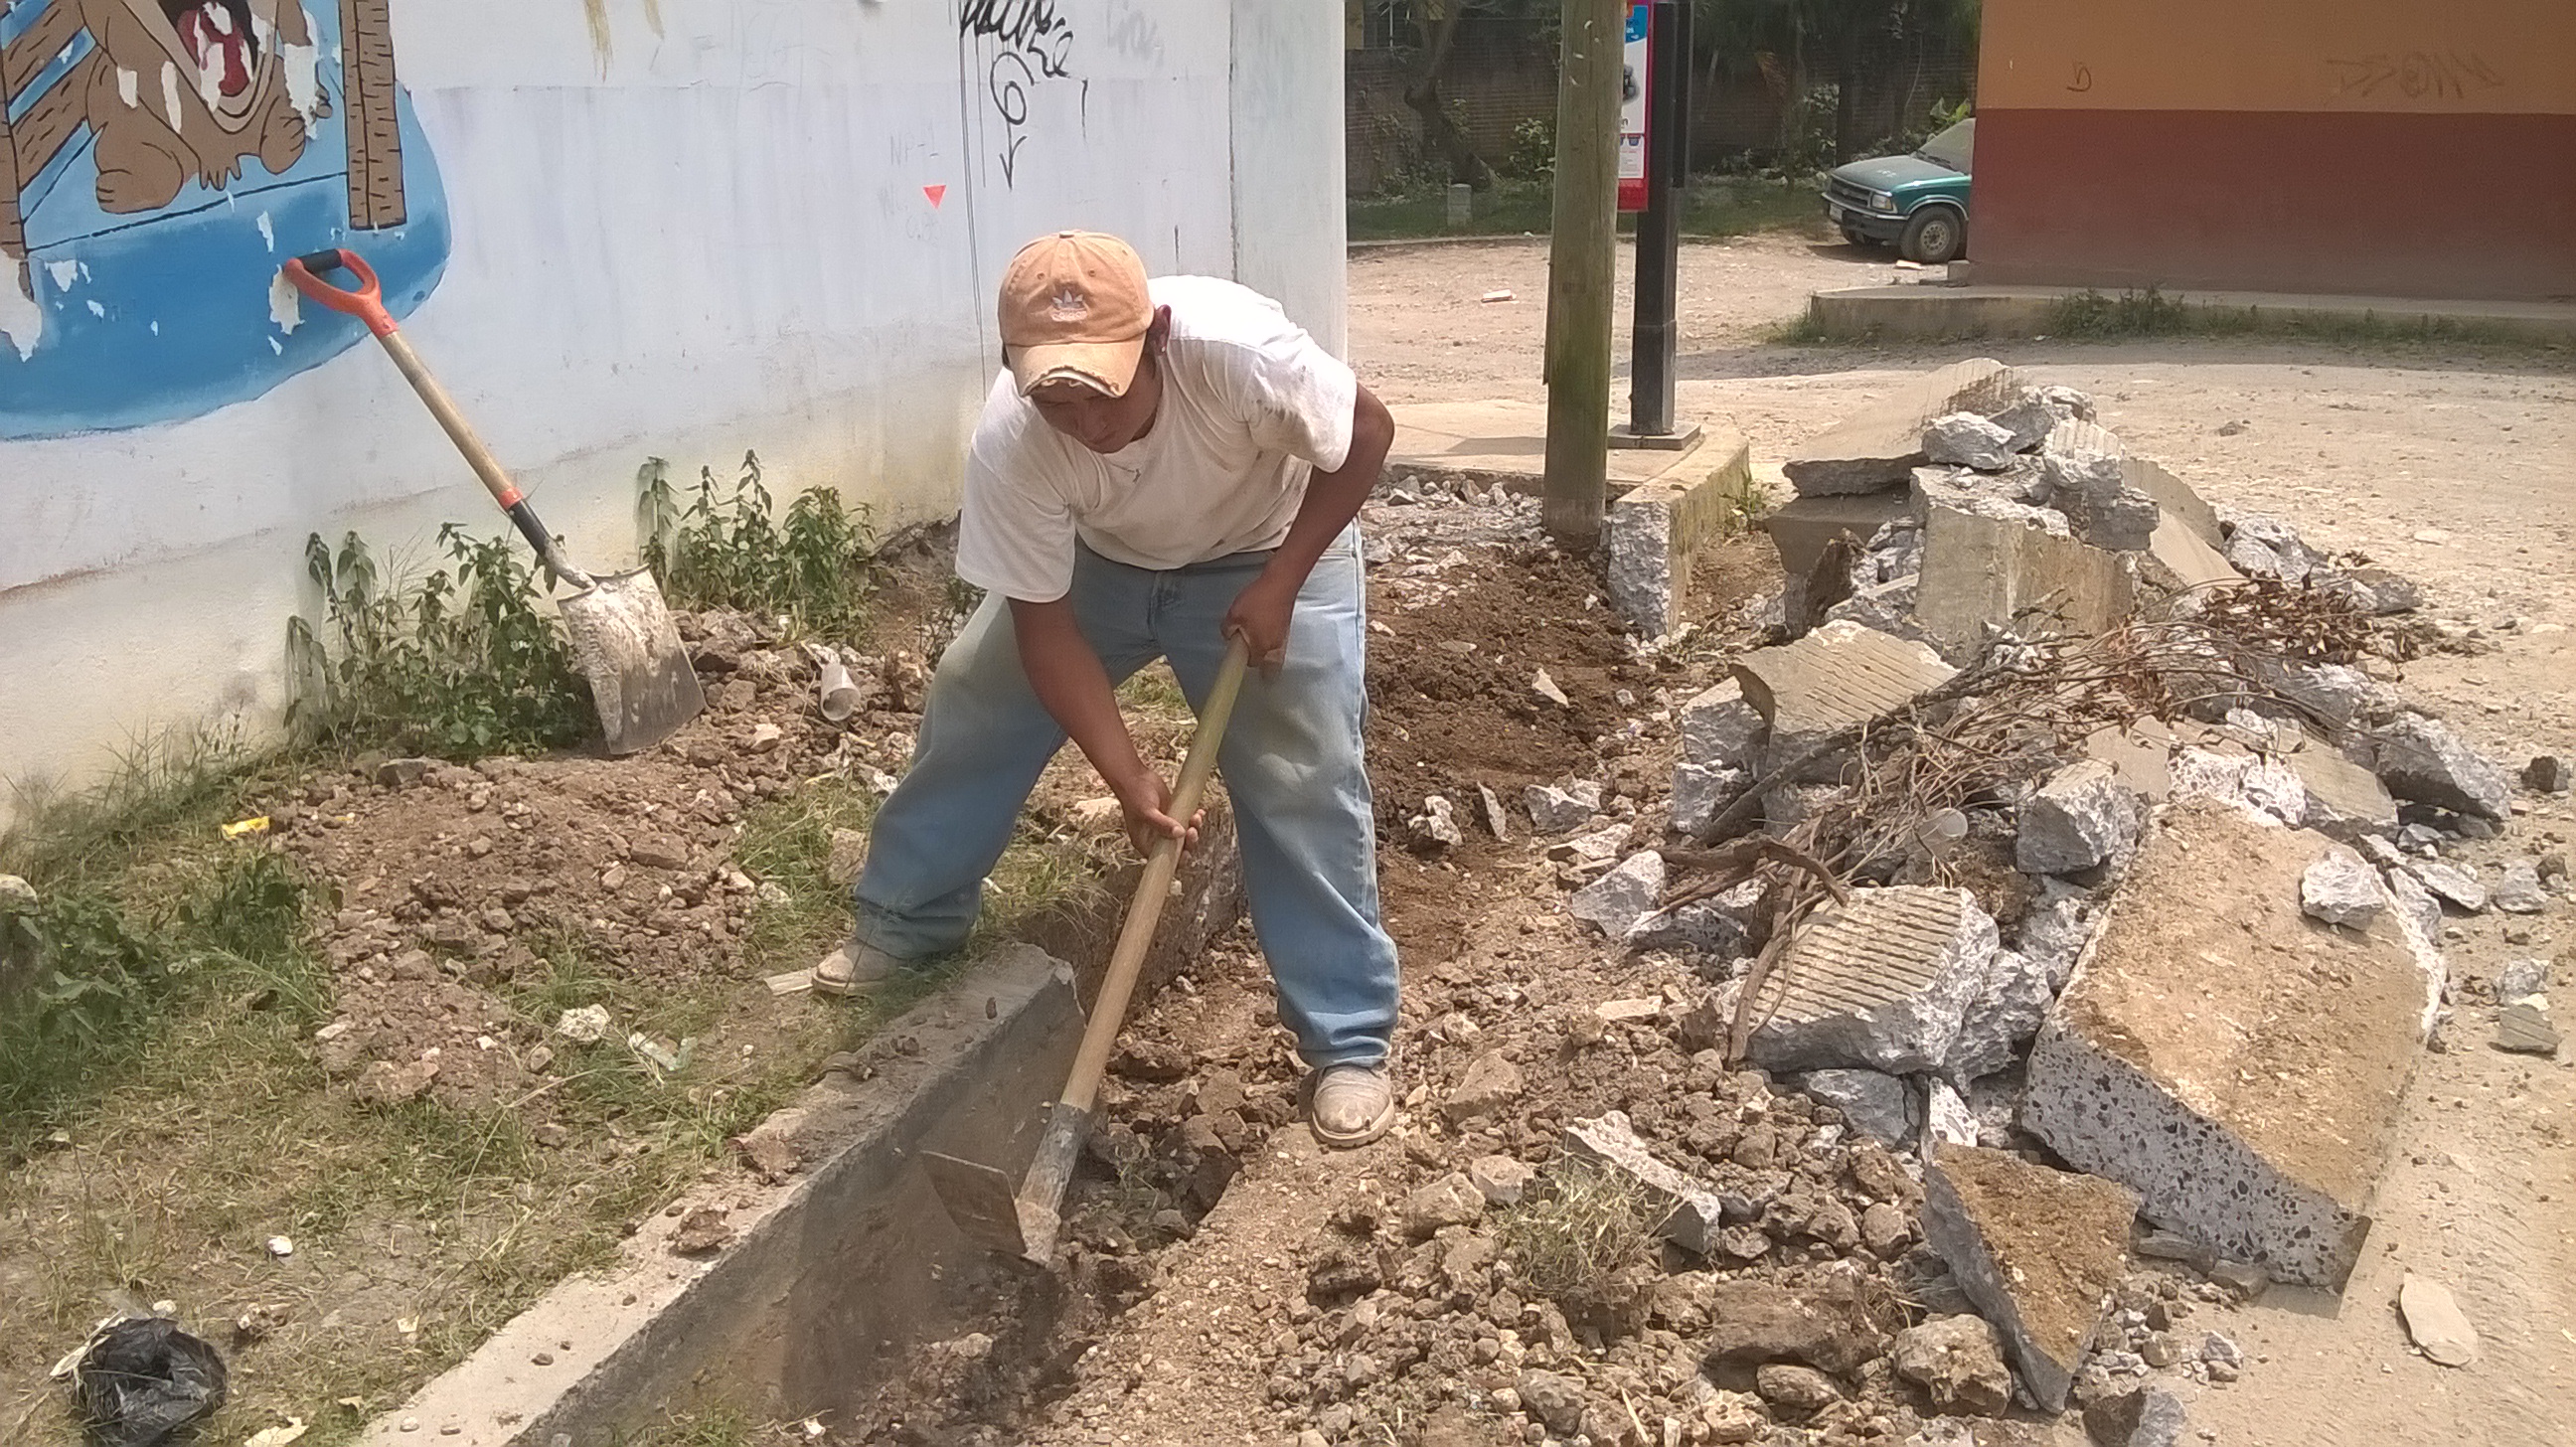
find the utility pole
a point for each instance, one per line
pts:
(1580, 269)
(1653, 336)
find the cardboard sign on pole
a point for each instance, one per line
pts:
(1634, 84)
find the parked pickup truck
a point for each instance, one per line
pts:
(1920, 201)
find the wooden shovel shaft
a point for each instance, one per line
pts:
(1145, 911)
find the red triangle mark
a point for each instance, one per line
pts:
(936, 194)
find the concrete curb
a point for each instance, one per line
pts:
(830, 1271)
(1929, 311)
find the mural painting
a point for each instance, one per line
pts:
(158, 160)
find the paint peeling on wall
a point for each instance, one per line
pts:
(139, 197)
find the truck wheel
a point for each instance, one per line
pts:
(1856, 236)
(1934, 235)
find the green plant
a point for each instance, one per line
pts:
(725, 550)
(1533, 153)
(458, 664)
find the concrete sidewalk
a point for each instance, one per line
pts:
(1928, 310)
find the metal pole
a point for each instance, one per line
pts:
(1580, 270)
(1653, 334)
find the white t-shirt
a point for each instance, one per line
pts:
(1251, 406)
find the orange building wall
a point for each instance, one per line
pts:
(2393, 147)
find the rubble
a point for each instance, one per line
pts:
(1555, 810)
(1720, 730)
(1803, 528)
(2519, 891)
(2038, 1251)
(1999, 566)
(2421, 759)
(1816, 1320)
(1692, 1215)
(1616, 901)
(2151, 1416)
(2423, 911)
(2001, 1021)
(1452, 1200)
(2451, 883)
(1490, 1082)
(2441, 1331)
(2080, 463)
(2548, 774)
(1700, 790)
(2341, 889)
(2264, 1139)
(1958, 1361)
(1501, 1180)
(1882, 982)
(1436, 827)
(2523, 1028)
(1964, 439)
(1875, 1104)
(2345, 800)
(2520, 979)
(2082, 818)
(1874, 448)
(1838, 676)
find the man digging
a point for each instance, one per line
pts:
(1160, 467)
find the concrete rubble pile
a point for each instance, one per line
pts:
(2194, 956)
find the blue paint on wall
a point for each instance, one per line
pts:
(165, 312)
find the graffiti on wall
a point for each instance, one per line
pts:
(1019, 45)
(158, 160)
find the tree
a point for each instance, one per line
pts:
(1439, 21)
(1855, 41)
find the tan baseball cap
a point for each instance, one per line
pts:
(1075, 308)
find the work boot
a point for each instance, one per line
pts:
(852, 968)
(1353, 1104)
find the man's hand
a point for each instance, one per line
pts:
(1146, 800)
(1260, 617)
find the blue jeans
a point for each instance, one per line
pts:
(1291, 762)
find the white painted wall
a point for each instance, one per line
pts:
(714, 238)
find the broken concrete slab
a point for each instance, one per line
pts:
(1700, 791)
(2345, 800)
(2027, 421)
(2518, 891)
(1653, 531)
(2175, 497)
(2341, 888)
(1802, 528)
(1887, 607)
(1982, 574)
(1874, 1103)
(1958, 1361)
(2083, 817)
(2433, 1318)
(2523, 1028)
(2258, 786)
(2016, 496)
(2081, 465)
(2039, 1252)
(1875, 447)
(1882, 982)
(2420, 906)
(2141, 754)
(2179, 562)
(2422, 759)
(1966, 439)
(2238, 1064)
(2003, 1018)
(2452, 884)
(1721, 925)
(1617, 900)
(1690, 1215)
(1837, 677)
(1719, 729)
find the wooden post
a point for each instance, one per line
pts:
(374, 127)
(1579, 269)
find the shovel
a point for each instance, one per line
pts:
(981, 1198)
(622, 636)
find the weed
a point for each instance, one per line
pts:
(814, 571)
(1741, 506)
(1576, 1230)
(458, 664)
(180, 781)
(712, 1426)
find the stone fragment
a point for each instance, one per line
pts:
(1983, 574)
(2451, 883)
(1881, 982)
(1497, 822)
(2521, 978)
(2261, 786)
(1803, 528)
(1699, 791)
(385, 1083)
(2523, 1028)
(403, 773)
(17, 895)
(1452, 1200)
(2082, 817)
(2342, 889)
(2548, 774)
(2038, 1251)
(1795, 1388)
(2239, 1065)
(1547, 690)
(2178, 560)
(2151, 1416)
(2003, 1018)
(1556, 810)
(1501, 1180)
(1730, 1419)
(1721, 925)
(2518, 891)
(2417, 905)
(2025, 423)
(2056, 930)
(1490, 1082)
(1875, 447)
(1838, 676)
(1691, 1215)
(585, 1025)
(1820, 1320)
(702, 1232)
(2345, 800)
(2423, 760)
(1964, 439)
(1888, 608)
(1720, 730)
(1554, 1400)
(2377, 591)
(2179, 501)
(2268, 547)
(1617, 900)
(1875, 1104)
(1946, 1117)
(2441, 1330)
(2015, 496)
(2068, 403)
(2080, 462)
(1958, 1361)
(1436, 827)
(1598, 847)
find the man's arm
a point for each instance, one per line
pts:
(1071, 682)
(1262, 611)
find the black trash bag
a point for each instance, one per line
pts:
(143, 1380)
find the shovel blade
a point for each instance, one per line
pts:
(626, 645)
(983, 1201)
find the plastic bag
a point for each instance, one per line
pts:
(144, 1380)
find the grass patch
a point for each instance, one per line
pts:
(1576, 1230)
(1712, 206)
